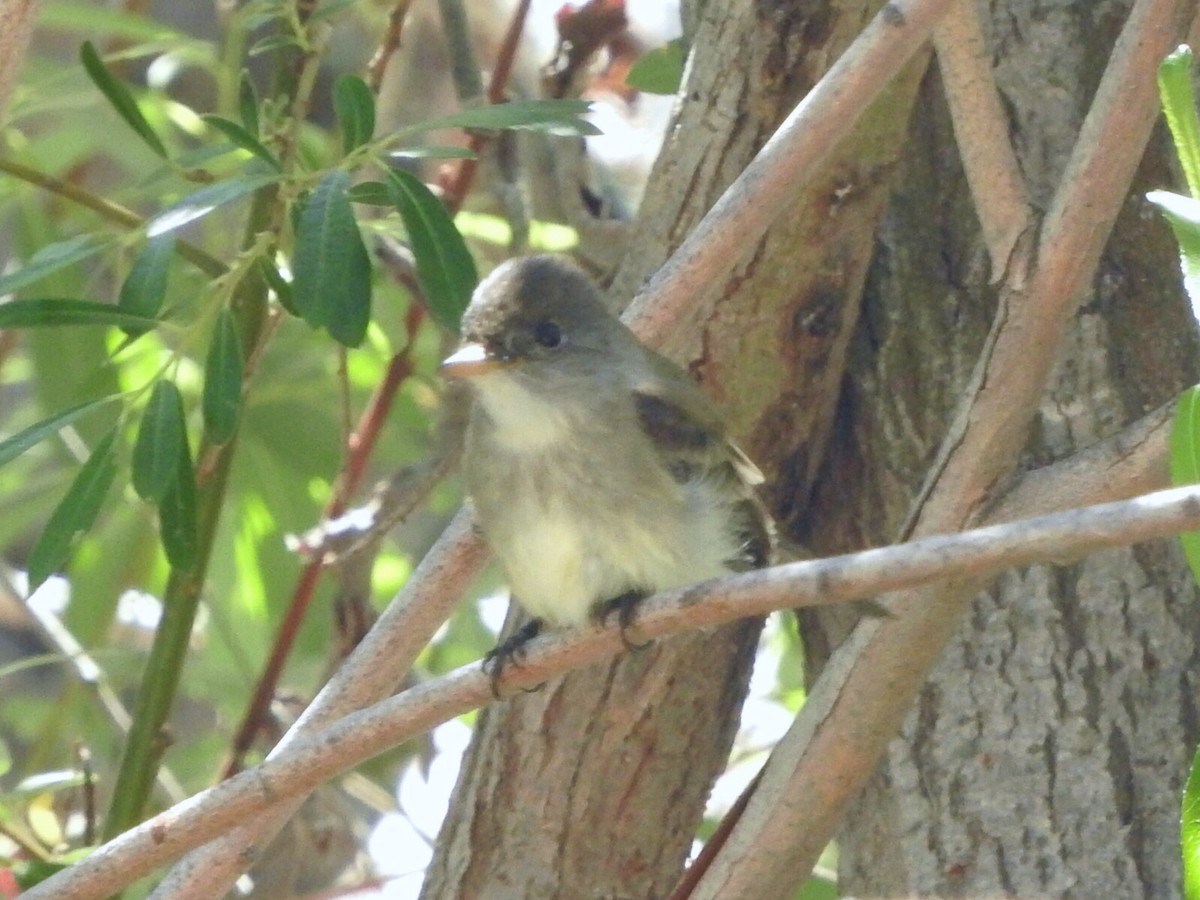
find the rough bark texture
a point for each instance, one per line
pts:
(1047, 754)
(594, 786)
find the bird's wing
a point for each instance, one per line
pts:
(688, 434)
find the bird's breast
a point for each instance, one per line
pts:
(589, 515)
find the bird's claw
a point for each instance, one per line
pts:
(625, 606)
(511, 650)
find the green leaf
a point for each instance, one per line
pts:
(273, 42)
(223, 380)
(331, 279)
(553, 116)
(1183, 215)
(120, 98)
(52, 311)
(248, 104)
(355, 108)
(243, 139)
(1184, 445)
(76, 512)
(1189, 832)
(206, 200)
(51, 258)
(445, 269)
(161, 442)
(659, 71)
(145, 287)
(1179, 106)
(372, 193)
(11, 448)
(329, 7)
(177, 520)
(432, 151)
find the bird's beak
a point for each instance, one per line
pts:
(471, 360)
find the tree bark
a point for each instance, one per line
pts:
(1047, 754)
(600, 779)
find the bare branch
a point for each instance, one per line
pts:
(1133, 461)
(981, 131)
(303, 763)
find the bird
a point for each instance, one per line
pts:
(598, 470)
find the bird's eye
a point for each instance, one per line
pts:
(547, 334)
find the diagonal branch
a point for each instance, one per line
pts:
(308, 761)
(980, 128)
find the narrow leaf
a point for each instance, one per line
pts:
(243, 139)
(223, 380)
(248, 104)
(355, 108)
(1184, 445)
(177, 523)
(1190, 832)
(161, 442)
(145, 287)
(432, 151)
(554, 116)
(206, 200)
(50, 259)
(118, 95)
(658, 71)
(51, 311)
(445, 269)
(75, 513)
(332, 270)
(11, 448)
(1178, 100)
(372, 193)
(272, 42)
(328, 8)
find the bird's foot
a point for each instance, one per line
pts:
(511, 650)
(625, 606)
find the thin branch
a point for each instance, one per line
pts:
(306, 762)
(1133, 461)
(377, 67)
(981, 130)
(869, 684)
(114, 212)
(464, 175)
(827, 115)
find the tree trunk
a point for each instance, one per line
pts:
(600, 779)
(1047, 754)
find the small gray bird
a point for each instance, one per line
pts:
(598, 470)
